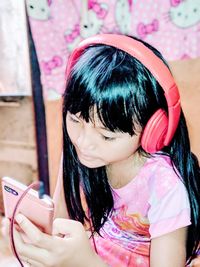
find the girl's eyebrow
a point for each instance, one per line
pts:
(104, 129)
(96, 126)
(101, 127)
(77, 116)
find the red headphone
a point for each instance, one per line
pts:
(161, 127)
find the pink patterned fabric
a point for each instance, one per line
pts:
(172, 26)
(154, 203)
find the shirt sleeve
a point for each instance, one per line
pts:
(169, 207)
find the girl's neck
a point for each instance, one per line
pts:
(121, 173)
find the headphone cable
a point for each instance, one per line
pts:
(34, 185)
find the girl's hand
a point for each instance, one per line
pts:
(4, 226)
(67, 247)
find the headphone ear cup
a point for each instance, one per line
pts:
(154, 133)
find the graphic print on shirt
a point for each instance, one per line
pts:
(129, 230)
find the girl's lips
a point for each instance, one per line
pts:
(83, 155)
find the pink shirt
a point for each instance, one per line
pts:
(154, 203)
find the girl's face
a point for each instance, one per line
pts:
(97, 146)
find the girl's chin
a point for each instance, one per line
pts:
(90, 163)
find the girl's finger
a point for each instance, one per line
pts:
(29, 251)
(34, 235)
(29, 262)
(4, 221)
(5, 225)
(4, 231)
(67, 227)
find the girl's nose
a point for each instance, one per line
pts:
(85, 141)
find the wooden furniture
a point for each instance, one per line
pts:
(18, 157)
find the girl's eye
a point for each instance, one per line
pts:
(73, 119)
(106, 138)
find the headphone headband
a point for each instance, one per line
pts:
(152, 62)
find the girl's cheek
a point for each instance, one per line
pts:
(72, 134)
(73, 131)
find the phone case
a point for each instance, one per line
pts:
(39, 211)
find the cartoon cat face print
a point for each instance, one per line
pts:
(92, 25)
(186, 13)
(38, 9)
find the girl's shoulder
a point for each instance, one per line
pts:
(159, 164)
(160, 159)
(169, 207)
(163, 176)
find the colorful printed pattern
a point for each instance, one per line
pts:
(128, 230)
(156, 195)
(172, 26)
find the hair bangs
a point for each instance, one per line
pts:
(103, 80)
(114, 109)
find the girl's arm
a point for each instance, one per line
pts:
(169, 250)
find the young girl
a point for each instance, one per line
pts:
(131, 184)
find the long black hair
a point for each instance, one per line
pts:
(124, 93)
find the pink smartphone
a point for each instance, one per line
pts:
(38, 210)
